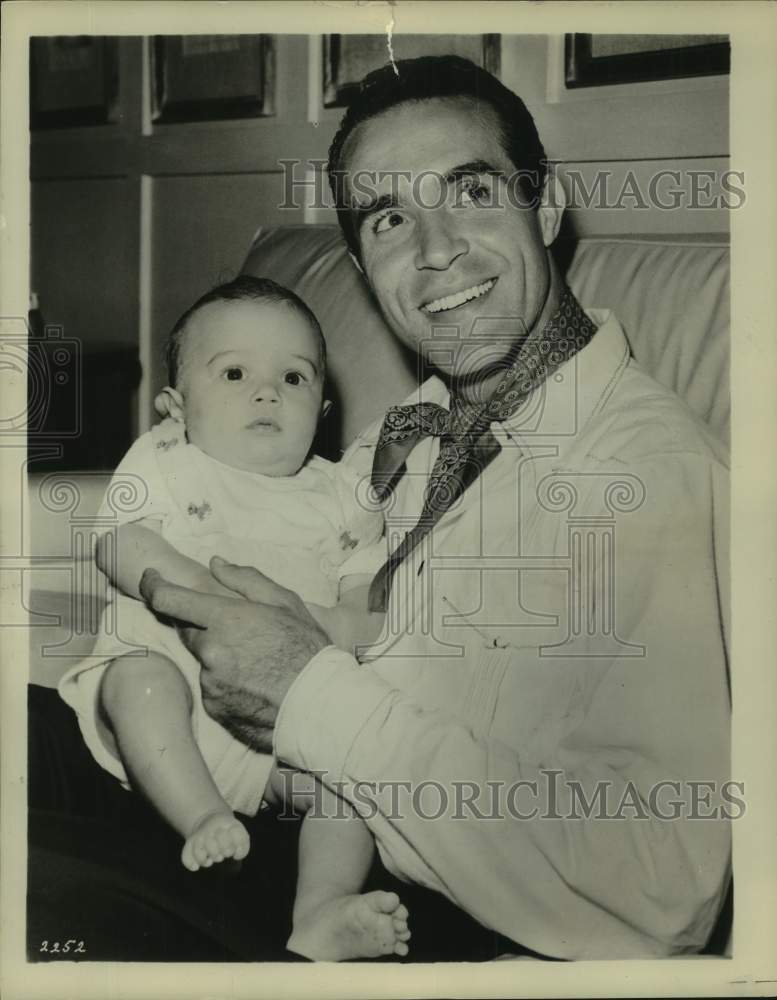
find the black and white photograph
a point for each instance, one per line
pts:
(450, 303)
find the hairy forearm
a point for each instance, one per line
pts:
(137, 548)
(256, 673)
(246, 714)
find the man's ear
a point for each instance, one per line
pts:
(552, 205)
(326, 406)
(169, 403)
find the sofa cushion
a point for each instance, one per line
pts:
(673, 301)
(670, 295)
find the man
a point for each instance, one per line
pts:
(551, 681)
(503, 685)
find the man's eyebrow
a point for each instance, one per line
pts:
(378, 204)
(472, 168)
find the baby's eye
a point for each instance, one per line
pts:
(390, 220)
(294, 378)
(234, 373)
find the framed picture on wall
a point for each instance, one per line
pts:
(74, 80)
(348, 58)
(596, 60)
(212, 77)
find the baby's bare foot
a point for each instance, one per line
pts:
(352, 927)
(216, 837)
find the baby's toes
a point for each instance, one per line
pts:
(384, 902)
(202, 852)
(225, 840)
(399, 919)
(188, 858)
(213, 847)
(400, 948)
(240, 840)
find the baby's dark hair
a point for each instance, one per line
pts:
(425, 78)
(243, 287)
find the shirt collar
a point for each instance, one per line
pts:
(558, 409)
(562, 405)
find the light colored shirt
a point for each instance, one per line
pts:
(306, 531)
(561, 634)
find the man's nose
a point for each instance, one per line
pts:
(440, 240)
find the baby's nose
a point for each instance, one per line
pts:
(266, 393)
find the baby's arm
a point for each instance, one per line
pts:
(140, 546)
(349, 624)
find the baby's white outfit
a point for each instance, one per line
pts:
(307, 532)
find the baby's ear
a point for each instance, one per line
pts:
(326, 406)
(169, 403)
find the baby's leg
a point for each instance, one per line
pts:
(147, 706)
(332, 920)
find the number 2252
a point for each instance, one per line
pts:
(63, 948)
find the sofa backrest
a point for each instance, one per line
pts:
(672, 296)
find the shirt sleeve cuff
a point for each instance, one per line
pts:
(324, 711)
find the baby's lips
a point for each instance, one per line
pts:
(264, 422)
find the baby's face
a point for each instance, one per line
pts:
(252, 385)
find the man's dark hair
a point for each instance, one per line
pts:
(244, 287)
(433, 77)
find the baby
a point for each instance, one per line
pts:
(227, 473)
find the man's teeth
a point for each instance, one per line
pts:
(451, 301)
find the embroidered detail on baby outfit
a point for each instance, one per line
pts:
(166, 445)
(347, 542)
(203, 511)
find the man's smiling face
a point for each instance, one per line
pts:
(474, 255)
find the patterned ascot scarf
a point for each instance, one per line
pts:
(467, 444)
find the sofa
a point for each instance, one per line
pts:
(672, 296)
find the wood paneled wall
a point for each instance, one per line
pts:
(132, 221)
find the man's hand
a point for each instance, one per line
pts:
(251, 646)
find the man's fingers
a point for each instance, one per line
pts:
(181, 603)
(212, 655)
(251, 584)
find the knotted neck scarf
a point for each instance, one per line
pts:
(467, 444)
